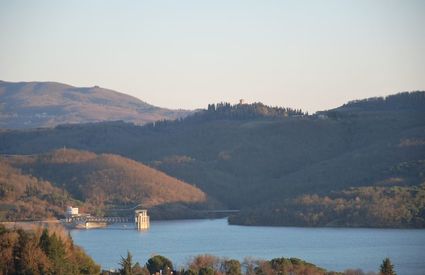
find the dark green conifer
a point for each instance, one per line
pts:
(387, 268)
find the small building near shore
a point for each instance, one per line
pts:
(71, 212)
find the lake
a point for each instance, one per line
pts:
(332, 248)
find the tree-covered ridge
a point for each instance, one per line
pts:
(98, 182)
(248, 111)
(241, 111)
(377, 206)
(42, 251)
(404, 100)
(25, 197)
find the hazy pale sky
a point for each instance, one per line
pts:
(312, 55)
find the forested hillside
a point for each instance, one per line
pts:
(252, 156)
(372, 206)
(96, 182)
(42, 251)
(25, 197)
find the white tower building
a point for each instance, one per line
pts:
(141, 219)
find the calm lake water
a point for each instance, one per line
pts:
(332, 248)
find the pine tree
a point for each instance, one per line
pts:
(387, 268)
(45, 241)
(19, 251)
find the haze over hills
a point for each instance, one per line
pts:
(47, 104)
(261, 159)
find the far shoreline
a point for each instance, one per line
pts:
(27, 224)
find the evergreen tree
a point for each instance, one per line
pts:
(126, 264)
(45, 241)
(387, 268)
(56, 253)
(19, 252)
(158, 263)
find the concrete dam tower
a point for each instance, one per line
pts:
(142, 219)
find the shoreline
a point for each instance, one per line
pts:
(30, 224)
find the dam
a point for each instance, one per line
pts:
(78, 220)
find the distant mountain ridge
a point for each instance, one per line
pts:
(47, 104)
(401, 101)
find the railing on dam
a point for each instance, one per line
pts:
(101, 219)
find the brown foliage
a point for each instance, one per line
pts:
(97, 180)
(25, 197)
(35, 252)
(204, 261)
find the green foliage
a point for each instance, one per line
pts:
(294, 266)
(387, 268)
(159, 263)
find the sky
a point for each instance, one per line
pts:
(313, 55)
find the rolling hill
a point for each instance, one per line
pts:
(99, 182)
(253, 157)
(25, 197)
(47, 104)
